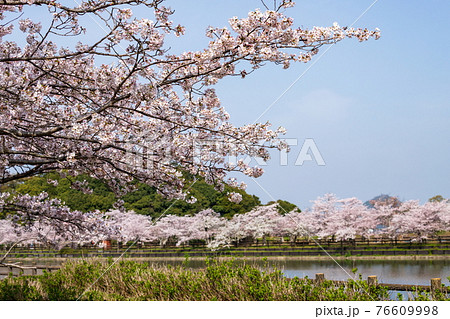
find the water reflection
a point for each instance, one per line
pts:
(418, 272)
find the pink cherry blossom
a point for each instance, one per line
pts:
(121, 107)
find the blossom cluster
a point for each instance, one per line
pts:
(121, 107)
(45, 220)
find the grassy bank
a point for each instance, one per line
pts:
(220, 280)
(335, 249)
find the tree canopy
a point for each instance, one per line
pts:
(143, 200)
(120, 107)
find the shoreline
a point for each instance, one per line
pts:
(268, 258)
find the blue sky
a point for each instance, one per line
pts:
(378, 111)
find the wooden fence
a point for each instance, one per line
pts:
(435, 284)
(26, 270)
(254, 243)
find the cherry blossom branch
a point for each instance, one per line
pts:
(122, 107)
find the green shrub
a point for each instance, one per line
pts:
(12, 289)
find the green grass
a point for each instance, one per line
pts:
(279, 250)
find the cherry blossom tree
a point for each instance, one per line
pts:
(262, 221)
(346, 218)
(352, 218)
(323, 209)
(170, 227)
(420, 220)
(444, 215)
(299, 224)
(50, 221)
(383, 215)
(232, 232)
(127, 225)
(120, 106)
(204, 226)
(8, 233)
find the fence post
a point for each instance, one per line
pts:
(372, 280)
(436, 284)
(320, 278)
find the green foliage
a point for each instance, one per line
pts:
(285, 207)
(55, 289)
(101, 198)
(437, 198)
(21, 288)
(144, 200)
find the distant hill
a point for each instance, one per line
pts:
(144, 200)
(383, 199)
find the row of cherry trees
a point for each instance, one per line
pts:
(329, 217)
